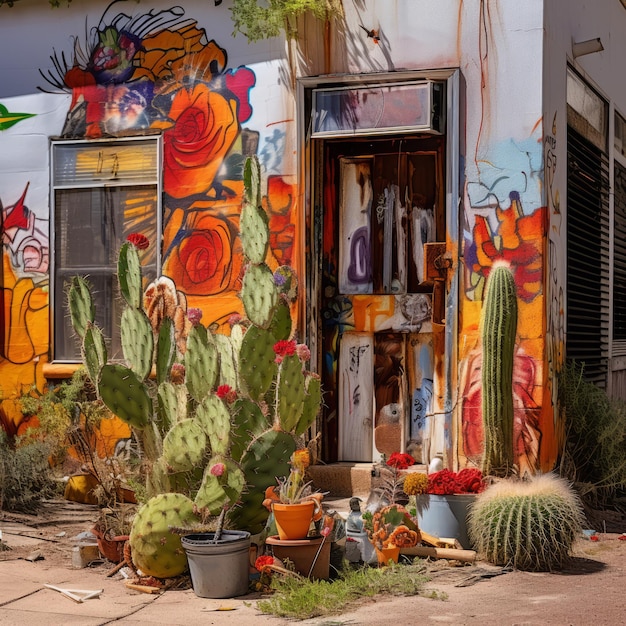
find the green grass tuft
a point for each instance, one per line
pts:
(303, 599)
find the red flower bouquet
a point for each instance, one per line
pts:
(400, 460)
(446, 482)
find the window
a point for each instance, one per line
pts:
(386, 108)
(619, 237)
(588, 230)
(101, 192)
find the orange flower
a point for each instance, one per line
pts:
(300, 459)
(204, 128)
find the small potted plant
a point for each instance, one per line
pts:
(389, 529)
(442, 500)
(293, 501)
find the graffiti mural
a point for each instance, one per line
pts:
(25, 245)
(139, 71)
(517, 239)
(158, 71)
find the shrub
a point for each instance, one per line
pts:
(594, 450)
(25, 475)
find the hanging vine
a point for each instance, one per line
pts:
(263, 20)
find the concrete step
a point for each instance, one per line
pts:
(344, 480)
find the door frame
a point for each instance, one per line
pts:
(310, 263)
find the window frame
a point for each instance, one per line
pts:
(101, 183)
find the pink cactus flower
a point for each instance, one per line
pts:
(194, 316)
(177, 373)
(303, 352)
(218, 469)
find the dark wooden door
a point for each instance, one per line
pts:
(383, 294)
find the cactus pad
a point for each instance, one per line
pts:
(125, 396)
(257, 367)
(254, 233)
(137, 341)
(266, 457)
(216, 491)
(259, 294)
(214, 418)
(94, 352)
(280, 326)
(228, 370)
(311, 406)
(201, 363)
(156, 551)
(184, 445)
(129, 275)
(82, 309)
(252, 181)
(249, 423)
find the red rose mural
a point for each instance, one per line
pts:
(202, 257)
(204, 128)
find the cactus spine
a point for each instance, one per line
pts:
(498, 332)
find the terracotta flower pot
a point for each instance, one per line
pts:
(293, 520)
(112, 548)
(386, 554)
(310, 555)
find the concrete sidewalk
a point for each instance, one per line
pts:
(589, 591)
(24, 599)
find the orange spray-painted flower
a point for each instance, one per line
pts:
(204, 127)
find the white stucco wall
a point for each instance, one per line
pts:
(566, 22)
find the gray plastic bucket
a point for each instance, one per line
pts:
(219, 570)
(445, 515)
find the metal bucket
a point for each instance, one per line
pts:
(445, 515)
(219, 570)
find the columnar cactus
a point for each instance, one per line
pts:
(219, 423)
(498, 332)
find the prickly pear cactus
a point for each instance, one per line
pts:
(498, 332)
(219, 423)
(82, 310)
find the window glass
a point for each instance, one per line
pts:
(92, 219)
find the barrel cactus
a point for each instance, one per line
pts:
(529, 524)
(498, 333)
(221, 418)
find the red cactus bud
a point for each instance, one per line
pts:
(141, 242)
